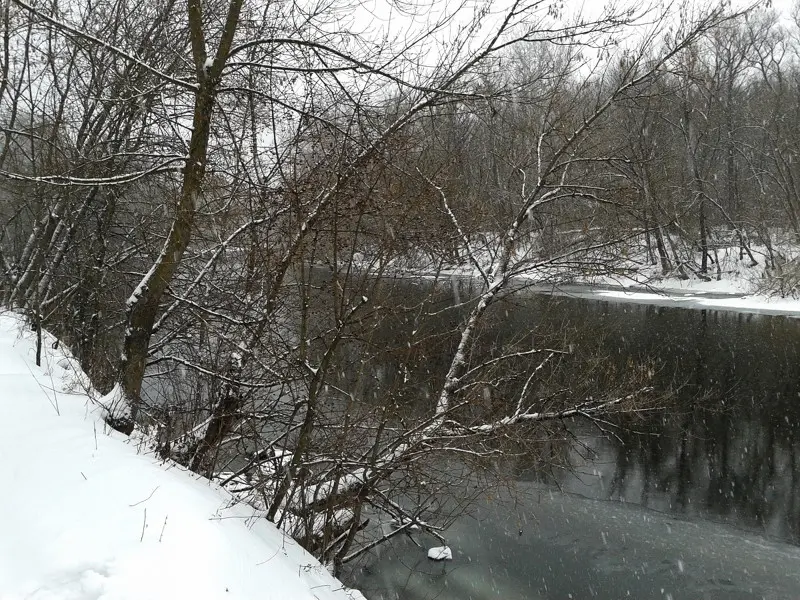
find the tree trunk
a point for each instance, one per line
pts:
(703, 238)
(698, 194)
(663, 256)
(666, 266)
(144, 302)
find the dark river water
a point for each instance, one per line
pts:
(699, 500)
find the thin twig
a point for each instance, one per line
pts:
(144, 525)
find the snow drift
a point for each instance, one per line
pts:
(85, 516)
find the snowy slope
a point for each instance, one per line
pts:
(83, 516)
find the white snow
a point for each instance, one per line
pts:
(737, 289)
(84, 516)
(405, 523)
(743, 303)
(113, 403)
(440, 553)
(740, 287)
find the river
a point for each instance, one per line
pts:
(699, 500)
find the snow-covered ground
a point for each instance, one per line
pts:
(697, 298)
(736, 285)
(85, 516)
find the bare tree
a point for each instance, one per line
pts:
(243, 186)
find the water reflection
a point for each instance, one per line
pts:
(725, 447)
(721, 457)
(728, 449)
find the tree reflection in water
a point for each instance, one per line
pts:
(728, 448)
(726, 444)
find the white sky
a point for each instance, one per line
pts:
(399, 22)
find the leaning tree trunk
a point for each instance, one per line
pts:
(143, 304)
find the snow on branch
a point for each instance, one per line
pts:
(60, 25)
(206, 269)
(492, 361)
(470, 252)
(586, 409)
(123, 178)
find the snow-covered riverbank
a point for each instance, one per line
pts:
(736, 285)
(716, 295)
(85, 516)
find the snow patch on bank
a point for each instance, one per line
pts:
(87, 517)
(735, 284)
(754, 304)
(731, 283)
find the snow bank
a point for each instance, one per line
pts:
(741, 287)
(86, 517)
(744, 303)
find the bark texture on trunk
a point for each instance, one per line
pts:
(143, 304)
